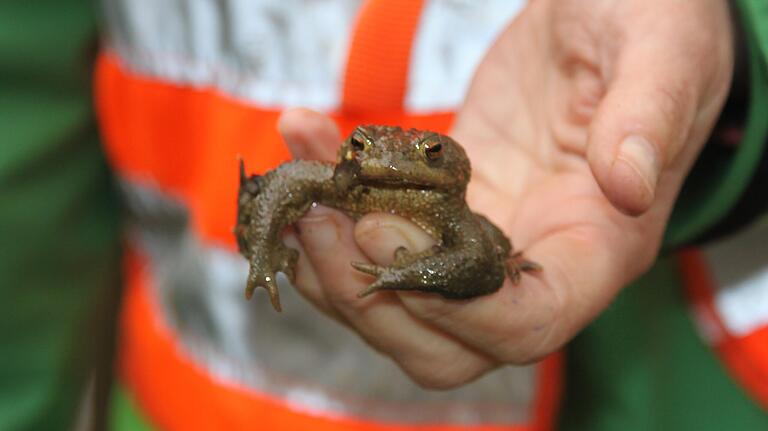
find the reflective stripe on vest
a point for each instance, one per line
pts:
(727, 284)
(181, 95)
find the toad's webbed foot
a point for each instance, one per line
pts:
(517, 264)
(265, 279)
(386, 277)
(263, 271)
(514, 262)
(399, 275)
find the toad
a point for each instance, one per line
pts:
(419, 175)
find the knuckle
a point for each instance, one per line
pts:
(432, 382)
(342, 295)
(556, 321)
(530, 348)
(447, 370)
(431, 309)
(341, 298)
(672, 102)
(439, 376)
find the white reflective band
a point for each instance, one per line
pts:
(708, 326)
(452, 38)
(276, 54)
(744, 306)
(740, 270)
(264, 52)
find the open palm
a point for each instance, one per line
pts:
(581, 124)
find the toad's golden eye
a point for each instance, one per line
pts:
(359, 141)
(433, 150)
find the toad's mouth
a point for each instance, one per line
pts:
(397, 183)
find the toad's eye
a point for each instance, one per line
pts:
(359, 141)
(433, 150)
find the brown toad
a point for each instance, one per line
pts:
(419, 175)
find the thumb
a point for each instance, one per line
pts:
(379, 234)
(309, 134)
(642, 124)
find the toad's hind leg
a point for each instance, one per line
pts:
(515, 262)
(403, 256)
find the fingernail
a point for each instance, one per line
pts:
(386, 234)
(386, 227)
(318, 212)
(640, 156)
(380, 244)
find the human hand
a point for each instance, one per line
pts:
(581, 124)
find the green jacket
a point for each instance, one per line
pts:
(59, 226)
(640, 366)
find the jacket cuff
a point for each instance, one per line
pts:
(722, 174)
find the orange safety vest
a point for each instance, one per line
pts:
(727, 287)
(181, 94)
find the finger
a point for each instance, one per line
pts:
(582, 269)
(430, 357)
(309, 135)
(523, 323)
(306, 282)
(647, 115)
(379, 235)
(484, 322)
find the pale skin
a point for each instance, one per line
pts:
(578, 78)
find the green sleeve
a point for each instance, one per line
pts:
(59, 240)
(715, 185)
(642, 366)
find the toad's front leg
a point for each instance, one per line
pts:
(267, 205)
